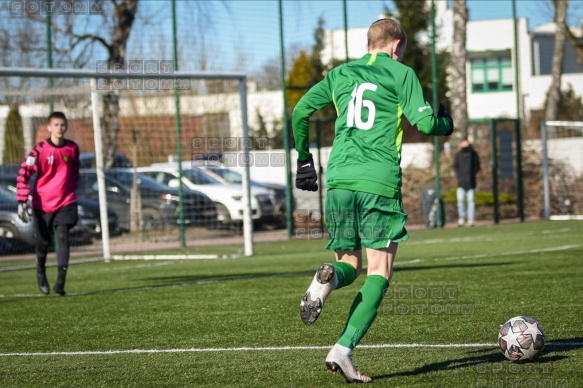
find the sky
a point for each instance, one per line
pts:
(260, 20)
(244, 35)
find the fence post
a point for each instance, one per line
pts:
(546, 188)
(494, 161)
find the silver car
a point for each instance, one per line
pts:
(15, 235)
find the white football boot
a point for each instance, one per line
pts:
(336, 362)
(324, 282)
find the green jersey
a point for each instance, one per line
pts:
(371, 95)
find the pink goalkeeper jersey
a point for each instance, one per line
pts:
(57, 175)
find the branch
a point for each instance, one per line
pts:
(93, 38)
(576, 44)
(80, 38)
(69, 31)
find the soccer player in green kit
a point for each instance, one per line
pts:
(363, 202)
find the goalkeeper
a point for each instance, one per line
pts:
(55, 162)
(363, 202)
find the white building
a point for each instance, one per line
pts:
(491, 87)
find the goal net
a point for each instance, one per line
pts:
(562, 143)
(141, 136)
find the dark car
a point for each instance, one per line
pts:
(88, 223)
(87, 160)
(159, 203)
(89, 220)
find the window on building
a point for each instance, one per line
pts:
(543, 47)
(491, 74)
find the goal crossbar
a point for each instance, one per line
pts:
(566, 124)
(94, 75)
(80, 73)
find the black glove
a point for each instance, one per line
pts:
(306, 176)
(443, 113)
(24, 212)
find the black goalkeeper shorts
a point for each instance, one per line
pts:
(67, 215)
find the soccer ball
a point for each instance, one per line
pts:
(521, 339)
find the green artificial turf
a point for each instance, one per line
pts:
(236, 322)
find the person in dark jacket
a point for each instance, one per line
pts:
(466, 165)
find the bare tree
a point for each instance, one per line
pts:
(22, 44)
(78, 38)
(124, 14)
(578, 45)
(457, 70)
(554, 93)
(269, 76)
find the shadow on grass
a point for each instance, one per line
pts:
(187, 281)
(189, 278)
(487, 356)
(196, 280)
(562, 345)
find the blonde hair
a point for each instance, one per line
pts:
(384, 31)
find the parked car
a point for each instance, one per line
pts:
(5, 246)
(15, 234)
(88, 222)
(120, 160)
(159, 203)
(228, 198)
(9, 170)
(277, 192)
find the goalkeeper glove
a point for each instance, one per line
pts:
(306, 176)
(442, 113)
(24, 212)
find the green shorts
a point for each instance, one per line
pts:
(354, 218)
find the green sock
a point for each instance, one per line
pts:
(345, 272)
(363, 310)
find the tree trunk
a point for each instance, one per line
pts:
(554, 92)
(457, 70)
(135, 199)
(125, 13)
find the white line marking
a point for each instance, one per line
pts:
(175, 257)
(485, 255)
(126, 267)
(521, 252)
(497, 237)
(264, 349)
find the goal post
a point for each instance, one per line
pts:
(562, 151)
(143, 101)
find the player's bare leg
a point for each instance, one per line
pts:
(380, 261)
